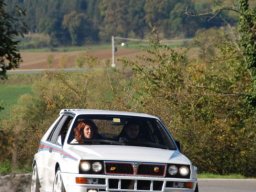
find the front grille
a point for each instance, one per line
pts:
(135, 168)
(149, 169)
(134, 185)
(119, 168)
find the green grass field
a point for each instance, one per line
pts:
(9, 95)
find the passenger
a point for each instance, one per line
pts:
(85, 130)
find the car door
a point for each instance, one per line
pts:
(55, 141)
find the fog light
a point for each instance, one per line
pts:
(96, 167)
(178, 184)
(173, 170)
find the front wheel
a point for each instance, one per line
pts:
(196, 189)
(58, 184)
(35, 185)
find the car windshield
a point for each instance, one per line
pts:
(121, 130)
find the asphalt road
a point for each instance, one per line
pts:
(21, 183)
(36, 71)
(227, 185)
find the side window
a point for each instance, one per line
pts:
(58, 134)
(54, 129)
(63, 132)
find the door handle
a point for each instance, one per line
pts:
(50, 150)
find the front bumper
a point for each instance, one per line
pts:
(110, 183)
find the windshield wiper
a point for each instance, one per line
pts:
(127, 142)
(147, 144)
(157, 145)
(103, 141)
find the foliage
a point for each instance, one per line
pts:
(81, 21)
(50, 59)
(79, 27)
(11, 26)
(9, 95)
(203, 99)
(206, 102)
(49, 95)
(32, 41)
(115, 18)
(207, 42)
(80, 61)
(247, 29)
(5, 167)
(1, 108)
(35, 111)
(201, 103)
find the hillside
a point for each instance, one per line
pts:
(79, 22)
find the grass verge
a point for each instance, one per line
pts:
(215, 176)
(6, 168)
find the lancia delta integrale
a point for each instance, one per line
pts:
(99, 150)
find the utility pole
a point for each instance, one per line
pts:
(113, 52)
(114, 49)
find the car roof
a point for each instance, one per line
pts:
(105, 112)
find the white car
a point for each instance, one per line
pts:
(109, 162)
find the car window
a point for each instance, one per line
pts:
(126, 130)
(49, 138)
(58, 134)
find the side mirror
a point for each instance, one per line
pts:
(178, 145)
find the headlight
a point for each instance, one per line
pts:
(173, 170)
(91, 167)
(96, 166)
(184, 171)
(85, 166)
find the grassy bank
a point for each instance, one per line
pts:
(214, 176)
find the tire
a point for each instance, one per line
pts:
(35, 184)
(197, 189)
(58, 184)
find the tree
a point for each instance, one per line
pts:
(157, 14)
(115, 19)
(247, 29)
(136, 15)
(79, 27)
(11, 26)
(202, 101)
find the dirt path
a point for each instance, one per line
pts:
(40, 60)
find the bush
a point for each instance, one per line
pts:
(36, 111)
(202, 105)
(5, 167)
(34, 41)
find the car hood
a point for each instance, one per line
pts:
(127, 153)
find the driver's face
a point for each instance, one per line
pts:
(133, 131)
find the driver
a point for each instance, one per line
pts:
(130, 131)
